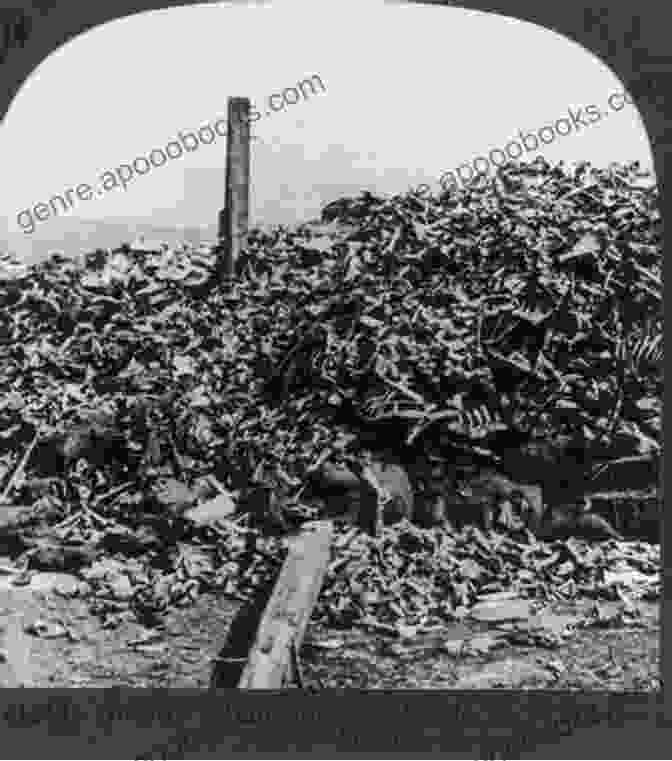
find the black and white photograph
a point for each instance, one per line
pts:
(331, 356)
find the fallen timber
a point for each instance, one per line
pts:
(273, 658)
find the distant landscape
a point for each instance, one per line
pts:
(71, 236)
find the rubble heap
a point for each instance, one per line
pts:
(482, 321)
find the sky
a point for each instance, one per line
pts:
(411, 92)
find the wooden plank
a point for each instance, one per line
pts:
(234, 218)
(291, 603)
(16, 479)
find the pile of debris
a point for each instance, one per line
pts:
(513, 325)
(406, 580)
(421, 577)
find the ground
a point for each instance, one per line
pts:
(593, 659)
(181, 654)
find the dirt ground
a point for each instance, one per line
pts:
(180, 654)
(620, 658)
(69, 648)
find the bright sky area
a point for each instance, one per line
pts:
(411, 91)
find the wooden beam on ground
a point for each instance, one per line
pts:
(234, 217)
(289, 608)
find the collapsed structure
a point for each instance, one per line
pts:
(511, 329)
